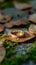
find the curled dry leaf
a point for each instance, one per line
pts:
(18, 33)
(19, 38)
(8, 25)
(15, 23)
(32, 29)
(5, 18)
(2, 52)
(1, 28)
(21, 6)
(32, 18)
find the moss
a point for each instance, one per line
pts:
(7, 5)
(32, 53)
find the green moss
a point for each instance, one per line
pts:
(7, 5)
(19, 59)
(16, 61)
(32, 53)
(27, 26)
(9, 44)
(2, 35)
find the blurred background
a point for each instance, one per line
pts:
(8, 3)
